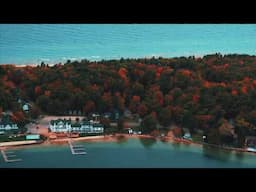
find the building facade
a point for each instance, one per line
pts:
(6, 125)
(65, 126)
(60, 126)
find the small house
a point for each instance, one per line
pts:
(250, 143)
(187, 134)
(89, 127)
(26, 107)
(7, 125)
(33, 137)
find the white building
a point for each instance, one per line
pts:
(60, 125)
(88, 127)
(6, 125)
(66, 126)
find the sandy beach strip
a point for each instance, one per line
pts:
(89, 138)
(16, 143)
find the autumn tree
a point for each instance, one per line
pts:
(89, 107)
(1, 111)
(148, 124)
(165, 116)
(120, 124)
(142, 110)
(105, 122)
(166, 82)
(43, 101)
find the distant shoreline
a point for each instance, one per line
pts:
(196, 56)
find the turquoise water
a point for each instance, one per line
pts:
(33, 43)
(132, 153)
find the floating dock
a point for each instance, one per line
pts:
(76, 149)
(6, 156)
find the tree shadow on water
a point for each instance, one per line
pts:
(121, 140)
(216, 153)
(176, 145)
(239, 155)
(147, 143)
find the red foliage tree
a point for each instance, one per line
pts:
(206, 84)
(38, 90)
(122, 72)
(136, 98)
(107, 98)
(142, 110)
(65, 74)
(159, 97)
(254, 82)
(9, 84)
(204, 117)
(168, 99)
(246, 80)
(18, 116)
(117, 94)
(121, 103)
(195, 98)
(186, 72)
(89, 107)
(153, 114)
(234, 92)
(160, 70)
(244, 90)
(47, 93)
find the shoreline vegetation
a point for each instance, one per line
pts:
(114, 138)
(211, 96)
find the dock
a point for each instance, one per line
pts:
(76, 149)
(6, 156)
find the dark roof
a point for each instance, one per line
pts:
(85, 123)
(60, 120)
(75, 124)
(97, 125)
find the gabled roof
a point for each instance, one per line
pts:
(75, 124)
(97, 125)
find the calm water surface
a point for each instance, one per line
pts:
(131, 153)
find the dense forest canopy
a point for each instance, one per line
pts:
(196, 93)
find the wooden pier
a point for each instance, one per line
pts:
(6, 156)
(76, 149)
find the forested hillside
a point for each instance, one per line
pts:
(196, 93)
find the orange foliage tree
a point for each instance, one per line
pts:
(89, 107)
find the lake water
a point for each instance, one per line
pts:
(51, 43)
(131, 153)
